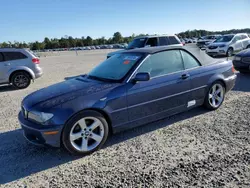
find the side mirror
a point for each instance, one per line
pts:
(141, 76)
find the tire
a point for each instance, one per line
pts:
(20, 80)
(230, 52)
(79, 139)
(218, 98)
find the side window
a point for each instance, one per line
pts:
(173, 40)
(9, 56)
(163, 41)
(1, 57)
(152, 42)
(236, 38)
(189, 60)
(243, 36)
(162, 63)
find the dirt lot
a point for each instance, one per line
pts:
(198, 148)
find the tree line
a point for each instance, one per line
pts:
(69, 41)
(200, 33)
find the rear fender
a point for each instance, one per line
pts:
(21, 68)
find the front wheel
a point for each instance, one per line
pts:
(230, 52)
(215, 96)
(85, 133)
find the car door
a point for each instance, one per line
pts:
(237, 43)
(164, 94)
(245, 41)
(4, 68)
(198, 76)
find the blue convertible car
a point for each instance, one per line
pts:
(127, 90)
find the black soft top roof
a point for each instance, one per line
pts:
(200, 55)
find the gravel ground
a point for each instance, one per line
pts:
(198, 148)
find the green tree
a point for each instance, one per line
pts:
(117, 37)
(72, 42)
(89, 41)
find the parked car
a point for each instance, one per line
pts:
(206, 40)
(229, 44)
(148, 84)
(189, 40)
(183, 41)
(241, 61)
(18, 67)
(150, 41)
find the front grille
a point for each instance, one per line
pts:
(246, 59)
(212, 47)
(201, 43)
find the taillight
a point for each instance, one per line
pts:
(36, 60)
(233, 69)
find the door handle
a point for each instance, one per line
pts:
(184, 76)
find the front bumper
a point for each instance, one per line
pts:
(240, 66)
(217, 51)
(41, 134)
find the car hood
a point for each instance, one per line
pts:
(206, 40)
(244, 53)
(218, 43)
(62, 92)
(115, 52)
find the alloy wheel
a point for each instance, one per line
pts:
(86, 134)
(21, 81)
(216, 95)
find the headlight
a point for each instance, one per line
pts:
(237, 58)
(40, 117)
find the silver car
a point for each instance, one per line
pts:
(18, 67)
(229, 44)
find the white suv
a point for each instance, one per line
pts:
(229, 44)
(18, 67)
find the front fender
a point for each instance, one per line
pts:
(21, 68)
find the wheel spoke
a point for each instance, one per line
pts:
(96, 137)
(84, 146)
(82, 124)
(213, 89)
(213, 102)
(219, 91)
(75, 136)
(94, 125)
(219, 99)
(210, 96)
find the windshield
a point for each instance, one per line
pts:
(225, 38)
(115, 67)
(208, 37)
(137, 43)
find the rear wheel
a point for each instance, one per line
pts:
(215, 96)
(85, 133)
(20, 80)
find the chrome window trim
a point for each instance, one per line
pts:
(131, 76)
